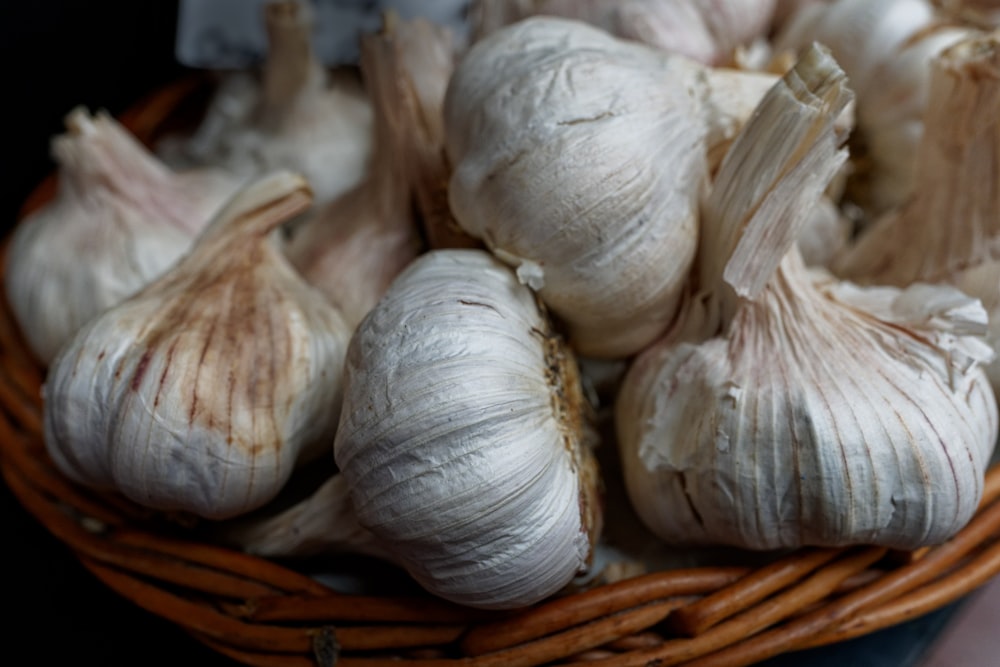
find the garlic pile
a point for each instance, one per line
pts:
(464, 436)
(788, 409)
(202, 392)
(354, 246)
(885, 47)
(300, 116)
(119, 219)
(579, 159)
(949, 229)
(708, 32)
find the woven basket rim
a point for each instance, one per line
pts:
(261, 612)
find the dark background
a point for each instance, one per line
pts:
(55, 56)
(108, 54)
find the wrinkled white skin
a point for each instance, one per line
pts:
(789, 409)
(202, 392)
(119, 219)
(456, 444)
(579, 159)
(885, 47)
(704, 31)
(299, 117)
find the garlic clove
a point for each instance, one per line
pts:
(119, 219)
(793, 409)
(464, 436)
(353, 247)
(201, 392)
(300, 116)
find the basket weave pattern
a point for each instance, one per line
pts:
(262, 613)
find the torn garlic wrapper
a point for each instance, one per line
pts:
(465, 438)
(119, 219)
(579, 159)
(202, 392)
(790, 409)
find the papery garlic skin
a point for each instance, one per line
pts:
(813, 422)
(463, 436)
(302, 117)
(579, 159)
(201, 393)
(787, 409)
(353, 247)
(885, 47)
(119, 219)
(704, 31)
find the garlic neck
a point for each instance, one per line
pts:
(292, 69)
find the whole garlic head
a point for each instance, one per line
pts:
(464, 437)
(119, 219)
(579, 159)
(789, 409)
(200, 393)
(300, 116)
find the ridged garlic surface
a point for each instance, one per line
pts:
(300, 116)
(708, 32)
(120, 218)
(579, 159)
(791, 409)
(464, 438)
(201, 393)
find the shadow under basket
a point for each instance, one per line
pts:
(261, 612)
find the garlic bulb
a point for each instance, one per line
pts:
(464, 437)
(579, 158)
(120, 218)
(354, 246)
(201, 392)
(708, 32)
(949, 229)
(789, 409)
(885, 47)
(303, 117)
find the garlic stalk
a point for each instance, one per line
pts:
(353, 247)
(300, 116)
(949, 229)
(885, 47)
(578, 158)
(201, 392)
(465, 438)
(708, 32)
(119, 219)
(789, 409)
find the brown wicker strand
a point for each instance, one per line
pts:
(257, 658)
(24, 412)
(815, 587)
(571, 610)
(699, 616)
(298, 608)
(798, 632)
(921, 601)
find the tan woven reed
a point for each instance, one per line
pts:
(261, 613)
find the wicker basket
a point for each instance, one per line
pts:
(263, 613)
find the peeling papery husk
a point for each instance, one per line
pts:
(465, 438)
(201, 393)
(801, 410)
